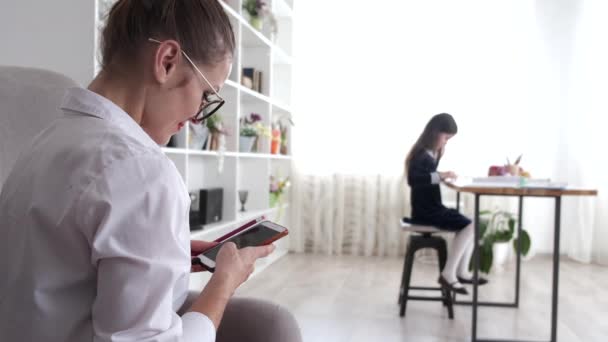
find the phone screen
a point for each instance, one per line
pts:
(254, 236)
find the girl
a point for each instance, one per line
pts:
(427, 208)
(94, 217)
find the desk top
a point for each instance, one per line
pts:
(520, 191)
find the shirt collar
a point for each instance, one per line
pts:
(432, 154)
(86, 102)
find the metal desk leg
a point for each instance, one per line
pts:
(475, 268)
(518, 258)
(458, 201)
(558, 208)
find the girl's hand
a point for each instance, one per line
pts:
(447, 175)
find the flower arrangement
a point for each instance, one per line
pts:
(251, 130)
(249, 125)
(215, 125)
(257, 10)
(279, 142)
(277, 187)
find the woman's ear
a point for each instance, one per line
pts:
(166, 59)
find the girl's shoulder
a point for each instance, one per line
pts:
(422, 156)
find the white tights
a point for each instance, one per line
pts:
(459, 255)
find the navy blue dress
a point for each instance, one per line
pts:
(425, 197)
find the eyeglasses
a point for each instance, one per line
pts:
(210, 102)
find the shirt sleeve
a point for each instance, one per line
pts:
(435, 178)
(140, 246)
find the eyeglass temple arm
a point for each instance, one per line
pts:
(193, 65)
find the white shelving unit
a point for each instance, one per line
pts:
(230, 169)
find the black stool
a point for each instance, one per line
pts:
(422, 238)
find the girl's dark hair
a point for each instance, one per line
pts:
(440, 123)
(201, 27)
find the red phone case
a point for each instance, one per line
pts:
(226, 236)
(239, 229)
(247, 225)
(197, 261)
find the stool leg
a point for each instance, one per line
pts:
(442, 258)
(402, 287)
(407, 274)
(442, 252)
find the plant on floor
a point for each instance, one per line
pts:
(496, 227)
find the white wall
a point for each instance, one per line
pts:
(57, 35)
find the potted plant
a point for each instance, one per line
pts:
(248, 132)
(197, 137)
(284, 149)
(277, 188)
(247, 138)
(282, 124)
(275, 143)
(215, 125)
(251, 133)
(257, 10)
(497, 230)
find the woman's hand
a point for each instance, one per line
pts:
(196, 248)
(447, 175)
(233, 266)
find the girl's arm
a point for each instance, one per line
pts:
(422, 171)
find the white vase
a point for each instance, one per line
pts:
(246, 144)
(501, 251)
(198, 136)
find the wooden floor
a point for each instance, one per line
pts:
(353, 299)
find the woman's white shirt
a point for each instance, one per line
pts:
(95, 237)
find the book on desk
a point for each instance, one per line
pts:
(509, 181)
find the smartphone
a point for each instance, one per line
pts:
(259, 234)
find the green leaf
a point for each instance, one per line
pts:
(483, 227)
(512, 225)
(486, 257)
(485, 212)
(503, 236)
(526, 243)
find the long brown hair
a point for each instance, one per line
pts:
(440, 123)
(201, 27)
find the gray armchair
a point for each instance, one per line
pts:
(25, 96)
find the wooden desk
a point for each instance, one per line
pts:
(520, 192)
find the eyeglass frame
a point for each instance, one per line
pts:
(198, 118)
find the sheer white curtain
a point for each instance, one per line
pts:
(584, 130)
(369, 75)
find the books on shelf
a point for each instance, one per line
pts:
(252, 79)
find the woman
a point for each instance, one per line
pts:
(427, 208)
(94, 216)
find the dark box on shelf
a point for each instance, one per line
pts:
(206, 207)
